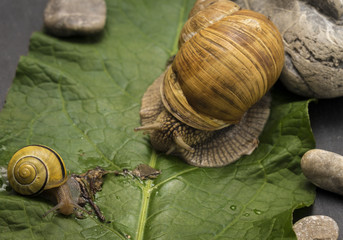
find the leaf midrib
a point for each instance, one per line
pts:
(149, 186)
(146, 193)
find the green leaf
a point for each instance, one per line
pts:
(82, 98)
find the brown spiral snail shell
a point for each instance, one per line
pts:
(210, 105)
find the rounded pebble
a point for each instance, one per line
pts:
(75, 17)
(312, 33)
(316, 227)
(324, 169)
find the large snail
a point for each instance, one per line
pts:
(36, 168)
(210, 105)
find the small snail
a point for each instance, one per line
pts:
(210, 105)
(36, 168)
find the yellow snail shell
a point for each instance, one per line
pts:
(35, 168)
(211, 104)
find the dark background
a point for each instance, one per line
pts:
(18, 19)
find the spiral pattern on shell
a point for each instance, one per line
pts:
(227, 61)
(35, 168)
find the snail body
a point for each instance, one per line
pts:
(36, 169)
(207, 106)
(67, 196)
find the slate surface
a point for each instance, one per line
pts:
(18, 19)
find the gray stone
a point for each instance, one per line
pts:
(316, 227)
(312, 31)
(324, 169)
(75, 17)
(333, 8)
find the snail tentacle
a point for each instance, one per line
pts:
(153, 126)
(179, 141)
(171, 150)
(66, 210)
(55, 208)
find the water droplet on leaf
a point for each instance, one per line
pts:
(258, 212)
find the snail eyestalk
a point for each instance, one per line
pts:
(153, 126)
(179, 141)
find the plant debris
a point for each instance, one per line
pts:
(90, 182)
(144, 172)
